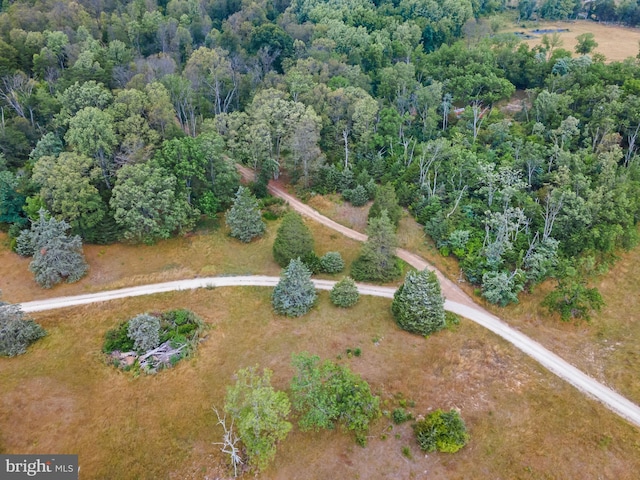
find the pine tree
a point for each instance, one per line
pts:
(244, 217)
(377, 261)
(418, 305)
(386, 199)
(295, 293)
(294, 240)
(56, 256)
(17, 331)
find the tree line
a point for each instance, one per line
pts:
(126, 124)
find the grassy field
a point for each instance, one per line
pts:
(614, 42)
(205, 253)
(525, 423)
(605, 348)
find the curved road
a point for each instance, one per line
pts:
(555, 364)
(459, 302)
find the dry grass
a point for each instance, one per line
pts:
(206, 253)
(614, 42)
(605, 348)
(525, 423)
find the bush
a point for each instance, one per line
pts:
(344, 293)
(573, 299)
(118, 339)
(259, 413)
(144, 330)
(17, 331)
(502, 288)
(312, 262)
(332, 262)
(295, 293)
(418, 305)
(400, 415)
(293, 240)
(442, 431)
(326, 393)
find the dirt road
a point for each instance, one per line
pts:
(459, 302)
(555, 364)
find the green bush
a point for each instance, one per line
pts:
(332, 262)
(344, 293)
(325, 394)
(293, 240)
(312, 262)
(17, 331)
(118, 339)
(442, 431)
(400, 415)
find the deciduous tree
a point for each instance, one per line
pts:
(259, 413)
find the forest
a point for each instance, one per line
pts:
(124, 119)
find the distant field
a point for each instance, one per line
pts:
(614, 42)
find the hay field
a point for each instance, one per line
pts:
(614, 42)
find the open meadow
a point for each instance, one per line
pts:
(614, 42)
(62, 396)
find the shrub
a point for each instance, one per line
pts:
(118, 339)
(312, 262)
(442, 431)
(344, 293)
(418, 305)
(332, 262)
(144, 330)
(326, 393)
(358, 196)
(17, 331)
(293, 240)
(295, 293)
(400, 415)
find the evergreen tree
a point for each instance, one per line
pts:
(56, 256)
(418, 305)
(17, 331)
(345, 293)
(244, 217)
(295, 293)
(294, 240)
(386, 200)
(377, 261)
(332, 262)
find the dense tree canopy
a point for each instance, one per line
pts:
(125, 121)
